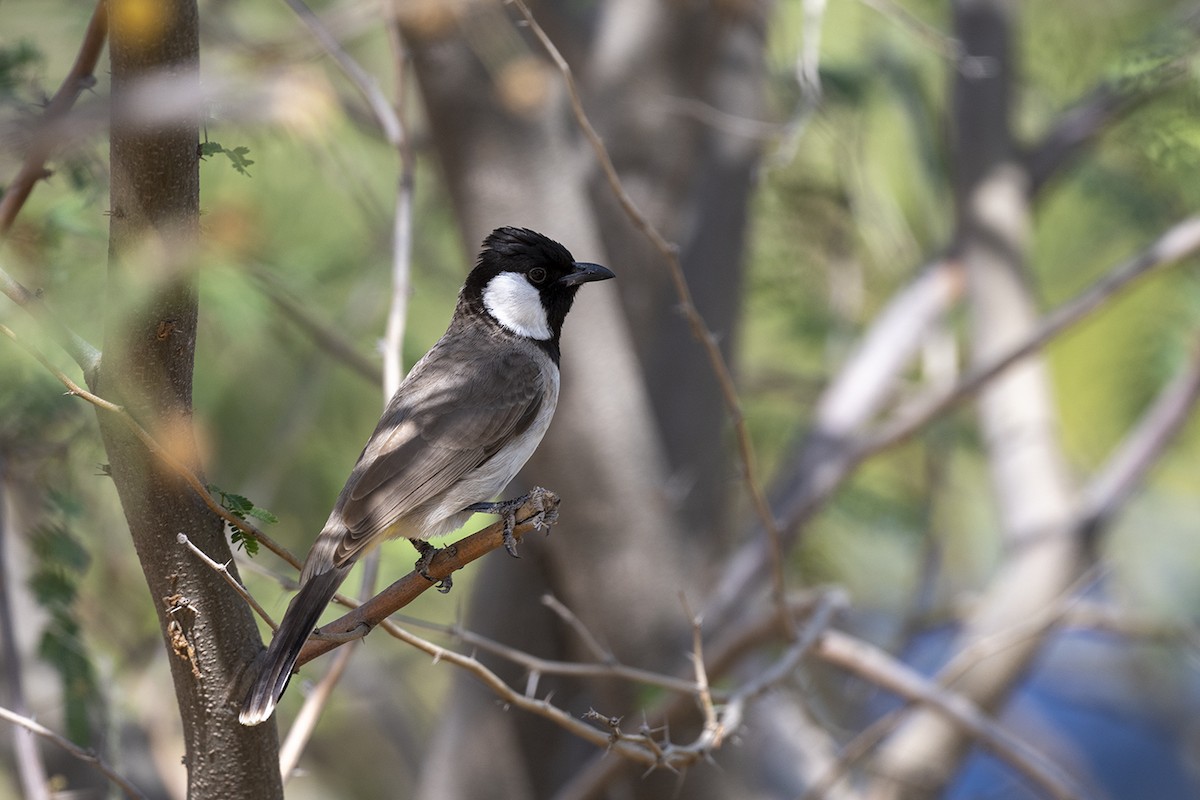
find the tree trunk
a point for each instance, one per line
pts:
(150, 340)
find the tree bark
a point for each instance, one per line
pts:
(150, 340)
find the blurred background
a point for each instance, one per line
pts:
(868, 199)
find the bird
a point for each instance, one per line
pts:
(462, 423)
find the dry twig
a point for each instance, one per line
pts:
(86, 756)
(33, 168)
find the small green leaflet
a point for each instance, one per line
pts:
(242, 507)
(237, 155)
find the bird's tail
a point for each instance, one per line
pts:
(299, 621)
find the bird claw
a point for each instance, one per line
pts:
(427, 552)
(545, 501)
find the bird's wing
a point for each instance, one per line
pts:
(447, 420)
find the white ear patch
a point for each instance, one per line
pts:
(515, 303)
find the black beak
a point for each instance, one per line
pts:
(585, 272)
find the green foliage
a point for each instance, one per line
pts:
(59, 564)
(17, 62)
(242, 507)
(237, 156)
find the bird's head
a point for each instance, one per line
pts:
(526, 282)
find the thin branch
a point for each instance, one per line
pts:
(1106, 104)
(402, 227)
(940, 42)
(80, 351)
(536, 666)
(880, 668)
(86, 756)
(855, 750)
(599, 651)
(80, 77)
(223, 571)
(1141, 448)
(325, 336)
(446, 561)
(1178, 242)
(389, 120)
(176, 466)
(699, 330)
(723, 654)
(306, 721)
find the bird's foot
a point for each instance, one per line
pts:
(427, 552)
(544, 500)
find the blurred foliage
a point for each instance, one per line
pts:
(59, 561)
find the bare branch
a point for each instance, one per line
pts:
(541, 666)
(670, 255)
(82, 353)
(223, 571)
(389, 120)
(86, 756)
(402, 227)
(176, 466)
(40, 148)
(446, 561)
(877, 666)
(1178, 242)
(324, 335)
(1141, 448)
(601, 653)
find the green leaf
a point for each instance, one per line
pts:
(242, 507)
(52, 588)
(210, 149)
(236, 156)
(244, 541)
(54, 545)
(262, 514)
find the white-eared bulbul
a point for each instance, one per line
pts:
(462, 424)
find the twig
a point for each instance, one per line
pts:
(1141, 448)
(306, 721)
(878, 667)
(33, 167)
(540, 666)
(324, 335)
(80, 351)
(704, 695)
(1178, 242)
(447, 560)
(389, 120)
(178, 467)
(588, 781)
(393, 343)
(588, 638)
(223, 571)
(687, 306)
(807, 72)
(855, 750)
(941, 43)
(86, 756)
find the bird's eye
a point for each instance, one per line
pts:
(537, 274)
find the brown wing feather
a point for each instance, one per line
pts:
(436, 430)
